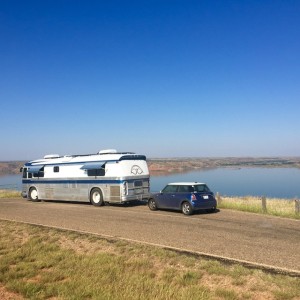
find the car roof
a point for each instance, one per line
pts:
(186, 183)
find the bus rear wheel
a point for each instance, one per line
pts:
(33, 195)
(96, 197)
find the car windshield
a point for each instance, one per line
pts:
(201, 188)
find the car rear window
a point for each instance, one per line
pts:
(185, 189)
(201, 188)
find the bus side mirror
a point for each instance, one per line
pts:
(21, 169)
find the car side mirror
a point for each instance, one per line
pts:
(160, 192)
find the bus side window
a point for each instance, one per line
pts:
(96, 172)
(101, 172)
(91, 172)
(41, 172)
(24, 172)
(56, 169)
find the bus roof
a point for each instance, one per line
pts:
(106, 156)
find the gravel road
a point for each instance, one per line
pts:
(253, 238)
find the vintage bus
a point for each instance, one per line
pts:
(108, 176)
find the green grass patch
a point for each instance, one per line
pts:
(43, 263)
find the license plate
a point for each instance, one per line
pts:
(205, 197)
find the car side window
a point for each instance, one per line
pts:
(185, 189)
(170, 189)
(191, 189)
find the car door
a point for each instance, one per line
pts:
(167, 196)
(183, 193)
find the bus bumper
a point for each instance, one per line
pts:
(135, 197)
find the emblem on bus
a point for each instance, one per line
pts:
(136, 170)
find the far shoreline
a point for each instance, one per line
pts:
(161, 167)
(165, 166)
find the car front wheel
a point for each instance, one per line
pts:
(152, 204)
(186, 208)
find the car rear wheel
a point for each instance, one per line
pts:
(152, 204)
(186, 208)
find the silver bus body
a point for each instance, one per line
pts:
(108, 176)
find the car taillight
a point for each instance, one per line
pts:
(194, 197)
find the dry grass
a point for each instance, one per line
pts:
(9, 194)
(55, 264)
(276, 207)
(7, 295)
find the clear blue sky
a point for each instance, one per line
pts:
(161, 78)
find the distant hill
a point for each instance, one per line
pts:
(10, 167)
(163, 166)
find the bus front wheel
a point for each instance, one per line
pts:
(96, 197)
(33, 195)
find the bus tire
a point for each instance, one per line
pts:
(96, 197)
(33, 195)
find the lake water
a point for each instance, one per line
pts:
(11, 182)
(274, 182)
(269, 182)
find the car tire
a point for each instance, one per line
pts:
(96, 197)
(186, 208)
(152, 204)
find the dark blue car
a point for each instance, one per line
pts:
(185, 196)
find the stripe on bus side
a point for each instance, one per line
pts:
(78, 181)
